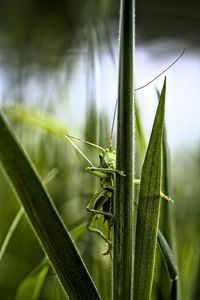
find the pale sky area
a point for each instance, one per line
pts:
(182, 102)
(183, 95)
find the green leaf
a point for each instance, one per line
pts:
(140, 136)
(168, 257)
(31, 287)
(148, 208)
(58, 292)
(34, 118)
(11, 232)
(78, 231)
(19, 216)
(44, 218)
(166, 225)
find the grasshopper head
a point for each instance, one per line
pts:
(107, 158)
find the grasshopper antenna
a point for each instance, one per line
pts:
(113, 122)
(143, 86)
(72, 137)
(83, 141)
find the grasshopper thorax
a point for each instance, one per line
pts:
(107, 158)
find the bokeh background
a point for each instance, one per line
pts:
(59, 58)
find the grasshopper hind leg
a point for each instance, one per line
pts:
(91, 228)
(99, 205)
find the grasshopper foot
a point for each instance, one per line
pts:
(109, 251)
(121, 173)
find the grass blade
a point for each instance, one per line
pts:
(44, 218)
(139, 132)
(168, 257)
(35, 119)
(19, 216)
(166, 225)
(148, 208)
(124, 243)
(11, 231)
(31, 287)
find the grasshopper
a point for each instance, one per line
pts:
(102, 201)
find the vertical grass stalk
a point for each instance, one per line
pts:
(123, 260)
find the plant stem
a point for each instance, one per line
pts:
(124, 244)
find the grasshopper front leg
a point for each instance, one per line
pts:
(103, 172)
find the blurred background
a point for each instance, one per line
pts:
(59, 59)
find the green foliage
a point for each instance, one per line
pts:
(78, 230)
(31, 287)
(148, 208)
(43, 217)
(90, 247)
(140, 270)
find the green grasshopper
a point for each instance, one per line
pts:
(102, 202)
